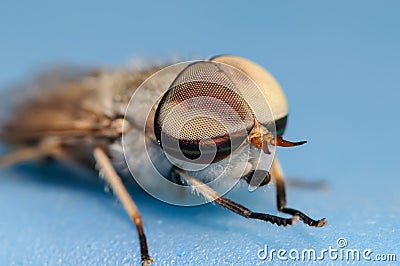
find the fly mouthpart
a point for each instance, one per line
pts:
(260, 137)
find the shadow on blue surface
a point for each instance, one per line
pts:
(49, 193)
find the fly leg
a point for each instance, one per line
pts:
(47, 147)
(119, 189)
(277, 175)
(51, 147)
(213, 196)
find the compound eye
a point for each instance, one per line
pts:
(203, 116)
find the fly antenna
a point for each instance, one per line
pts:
(279, 141)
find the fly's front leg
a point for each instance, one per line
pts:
(119, 189)
(213, 196)
(277, 175)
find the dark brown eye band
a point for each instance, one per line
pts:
(203, 151)
(278, 126)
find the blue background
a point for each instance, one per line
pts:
(337, 61)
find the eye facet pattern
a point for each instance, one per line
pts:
(203, 114)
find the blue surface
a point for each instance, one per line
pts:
(339, 64)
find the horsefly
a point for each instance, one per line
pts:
(198, 126)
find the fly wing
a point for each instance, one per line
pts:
(61, 102)
(77, 108)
